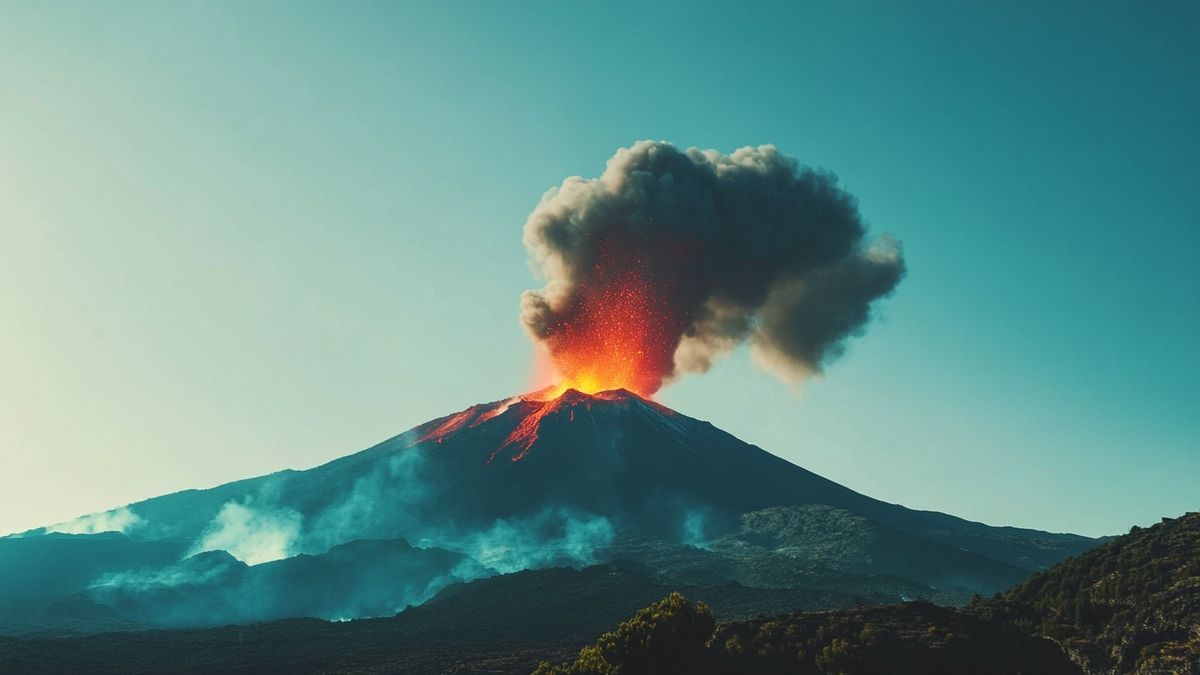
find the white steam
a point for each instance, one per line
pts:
(386, 494)
(251, 535)
(117, 520)
(551, 537)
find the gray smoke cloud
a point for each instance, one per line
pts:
(727, 248)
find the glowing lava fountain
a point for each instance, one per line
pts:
(621, 334)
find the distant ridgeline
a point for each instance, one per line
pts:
(1130, 606)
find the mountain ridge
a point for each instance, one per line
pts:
(528, 482)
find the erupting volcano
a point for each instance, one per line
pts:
(663, 264)
(672, 258)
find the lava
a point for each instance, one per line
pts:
(441, 429)
(621, 333)
(525, 434)
(438, 430)
(530, 411)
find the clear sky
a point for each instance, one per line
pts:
(242, 236)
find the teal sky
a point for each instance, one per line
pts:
(242, 236)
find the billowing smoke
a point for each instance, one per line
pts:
(673, 257)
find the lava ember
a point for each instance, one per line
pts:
(621, 334)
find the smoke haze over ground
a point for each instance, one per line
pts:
(258, 556)
(673, 257)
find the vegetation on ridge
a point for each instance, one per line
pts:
(675, 636)
(1129, 606)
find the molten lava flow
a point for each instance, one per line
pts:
(439, 430)
(526, 433)
(621, 334)
(575, 405)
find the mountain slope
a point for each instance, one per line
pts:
(526, 483)
(60, 564)
(1131, 605)
(849, 542)
(357, 579)
(613, 453)
(503, 624)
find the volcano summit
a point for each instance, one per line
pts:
(525, 483)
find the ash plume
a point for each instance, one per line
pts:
(721, 249)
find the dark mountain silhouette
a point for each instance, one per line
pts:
(516, 484)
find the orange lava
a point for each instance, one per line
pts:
(526, 433)
(440, 429)
(621, 334)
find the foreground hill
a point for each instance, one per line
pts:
(676, 636)
(1129, 606)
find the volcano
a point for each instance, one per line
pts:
(524, 483)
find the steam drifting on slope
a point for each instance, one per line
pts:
(673, 257)
(116, 520)
(256, 558)
(250, 534)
